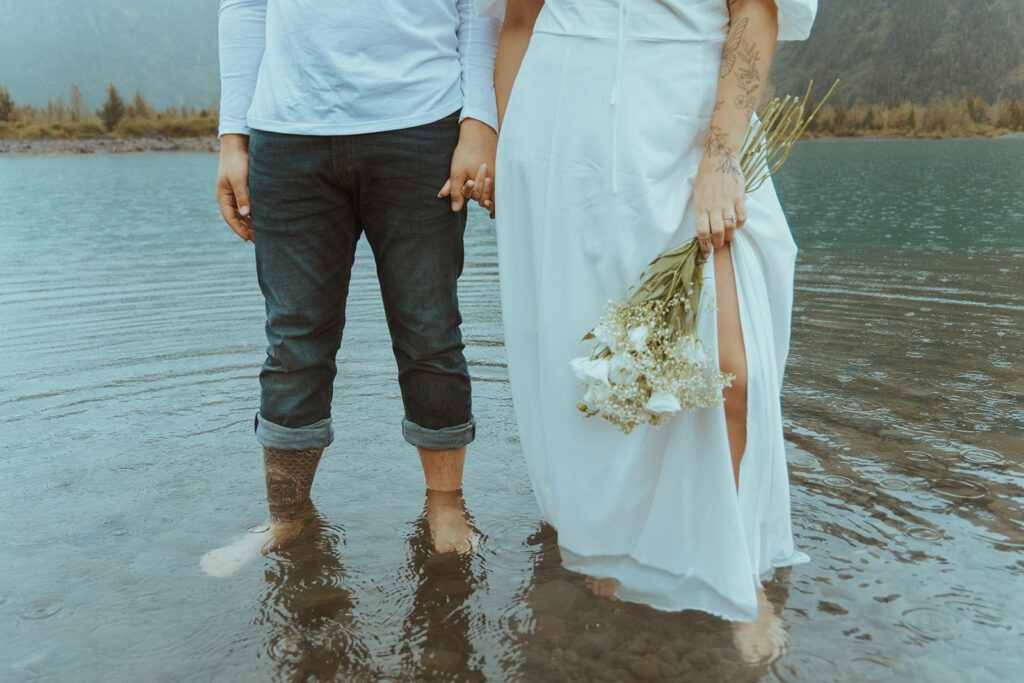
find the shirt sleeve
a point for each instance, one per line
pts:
(491, 8)
(241, 29)
(478, 41)
(796, 18)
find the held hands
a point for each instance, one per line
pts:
(232, 185)
(718, 193)
(472, 170)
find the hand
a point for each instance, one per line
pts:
(718, 194)
(472, 170)
(232, 185)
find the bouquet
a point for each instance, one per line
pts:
(647, 362)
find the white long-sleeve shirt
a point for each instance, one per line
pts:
(343, 67)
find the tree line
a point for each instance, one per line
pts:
(71, 118)
(941, 118)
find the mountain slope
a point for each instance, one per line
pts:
(881, 49)
(910, 50)
(167, 49)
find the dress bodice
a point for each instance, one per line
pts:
(688, 20)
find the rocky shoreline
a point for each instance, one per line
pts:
(107, 145)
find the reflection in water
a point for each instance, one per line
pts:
(576, 635)
(314, 633)
(306, 608)
(437, 642)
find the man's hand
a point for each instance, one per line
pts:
(472, 171)
(232, 185)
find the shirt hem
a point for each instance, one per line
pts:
(356, 128)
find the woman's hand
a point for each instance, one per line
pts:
(718, 193)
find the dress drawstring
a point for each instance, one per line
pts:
(625, 7)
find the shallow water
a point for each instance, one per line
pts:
(132, 336)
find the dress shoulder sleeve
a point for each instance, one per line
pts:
(795, 18)
(491, 8)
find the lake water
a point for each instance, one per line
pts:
(131, 330)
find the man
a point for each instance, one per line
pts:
(341, 118)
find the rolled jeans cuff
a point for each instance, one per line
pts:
(443, 439)
(317, 435)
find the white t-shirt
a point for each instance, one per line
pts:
(343, 67)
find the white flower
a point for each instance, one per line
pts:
(603, 335)
(662, 403)
(622, 369)
(638, 338)
(589, 370)
(596, 393)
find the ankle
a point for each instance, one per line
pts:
(289, 476)
(442, 470)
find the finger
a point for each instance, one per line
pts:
(241, 192)
(704, 232)
(741, 213)
(230, 217)
(447, 189)
(487, 194)
(717, 229)
(480, 182)
(226, 202)
(456, 193)
(729, 222)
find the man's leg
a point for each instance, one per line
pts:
(417, 242)
(306, 232)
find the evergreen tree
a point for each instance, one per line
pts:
(77, 104)
(6, 104)
(141, 108)
(113, 109)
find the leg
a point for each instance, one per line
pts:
(417, 242)
(731, 356)
(306, 231)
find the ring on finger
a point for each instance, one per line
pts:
(729, 219)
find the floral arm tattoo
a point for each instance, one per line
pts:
(746, 54)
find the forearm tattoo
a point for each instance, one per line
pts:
(749, 77)
(289, 476)
(742, 57)
(732, 47)
(716, 148)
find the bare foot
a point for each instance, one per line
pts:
(261, 539)
(448, 520)
(604, 588)
(761, 641)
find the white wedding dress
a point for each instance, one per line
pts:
(596, 164)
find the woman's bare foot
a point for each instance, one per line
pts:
(448, 521)
(761, 641)
(604, 588)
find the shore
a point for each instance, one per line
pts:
(107, 145)
(118, 145)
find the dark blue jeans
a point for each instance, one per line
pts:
(312, 197)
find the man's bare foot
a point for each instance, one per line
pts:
(604, 588)
(761, 641)
(448, 521)
(261, 539)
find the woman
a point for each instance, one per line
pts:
(620, 138)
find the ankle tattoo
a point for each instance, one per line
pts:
(289, 475)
